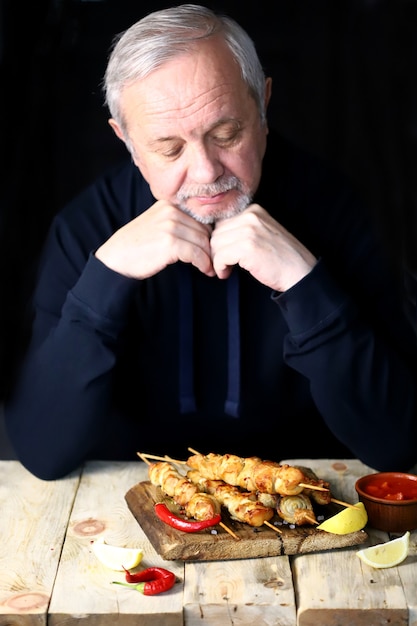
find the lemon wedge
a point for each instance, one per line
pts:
(351, 519)
(116, 558)
(386, 554)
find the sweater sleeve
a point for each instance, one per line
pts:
(64, 391)
(362, 378)
(61, 404)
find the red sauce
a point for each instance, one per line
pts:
(397, 488)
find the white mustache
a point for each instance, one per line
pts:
(211, 189)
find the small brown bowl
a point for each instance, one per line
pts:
(390, 500)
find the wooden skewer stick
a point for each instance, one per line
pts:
(348, 504)
(311, 520)
(143, 457)
(159, 458)
(229, 530)
(174, 461)
(277, 530)
(316, 487)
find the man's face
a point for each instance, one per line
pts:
(196, 133)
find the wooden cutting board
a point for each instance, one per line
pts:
(174, 545)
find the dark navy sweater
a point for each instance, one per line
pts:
(116, 365)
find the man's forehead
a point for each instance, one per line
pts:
(186, 86)
(161, 113)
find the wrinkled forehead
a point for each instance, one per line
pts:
(198, 86)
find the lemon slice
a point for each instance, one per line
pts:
(116, 558)
(347, 521)
(386, 554)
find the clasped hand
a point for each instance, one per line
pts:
(164, 234)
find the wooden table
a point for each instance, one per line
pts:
(49, 575)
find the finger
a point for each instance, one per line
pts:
(223, 273)
(224, 260)
(191, 248)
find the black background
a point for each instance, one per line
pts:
(344, 85)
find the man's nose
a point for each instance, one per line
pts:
(204, 164)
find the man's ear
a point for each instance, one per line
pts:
(268, 91)
(117, 130)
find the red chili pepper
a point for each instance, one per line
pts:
(151, 581)
(164, 514)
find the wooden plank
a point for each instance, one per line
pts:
(206, 546)
(345, 592)
(338, 589)
(407, 571)
(408, 576)
(83, 588)
(244, 592)
(33, 521)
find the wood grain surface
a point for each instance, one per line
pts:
(50, 575)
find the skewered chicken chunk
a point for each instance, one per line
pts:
(251, 474)
(202, 506)
(296, 509)
(171, 482)
(199, 505)
(242, 506)
(267, 499)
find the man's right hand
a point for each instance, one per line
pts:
(159, 237)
